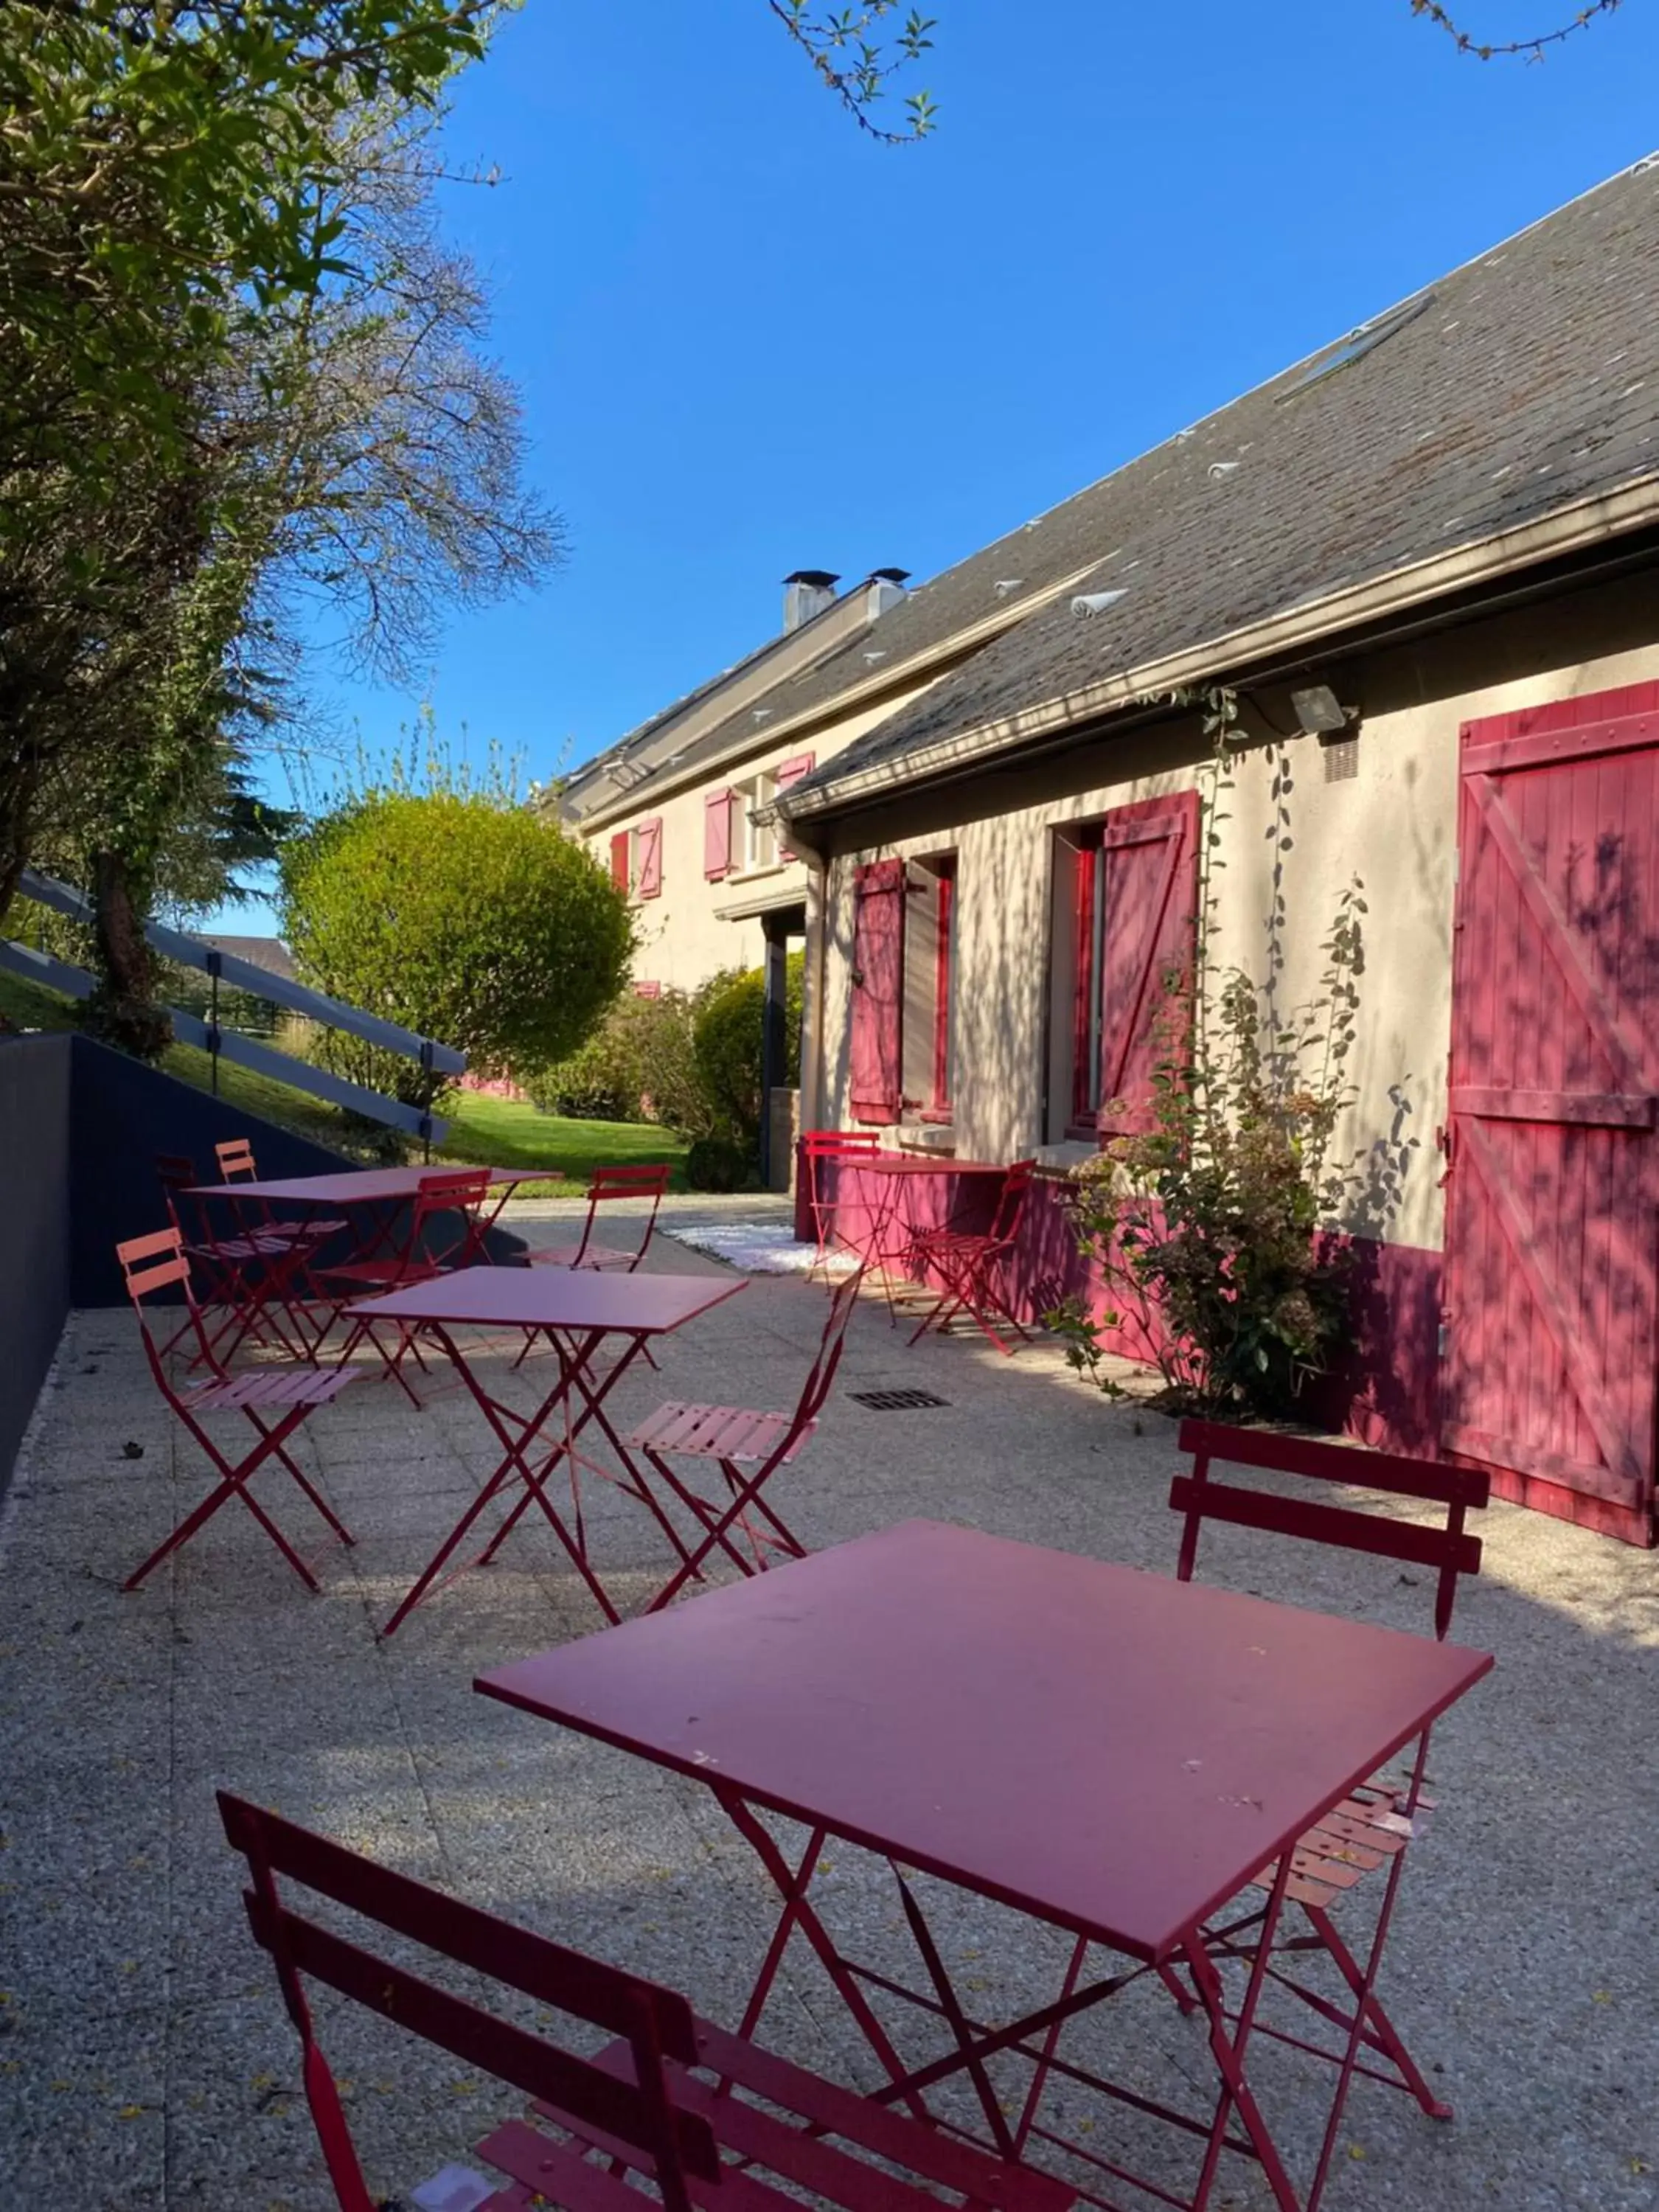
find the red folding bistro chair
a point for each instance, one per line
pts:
(237, 1165)
(235, 1270)
(672, 2102)
(464, 1191)
(822, 1149)
(644, 1179)
(748, 1449)
(291, 1281)
(275, 1400)
(969, 1264)
(1362, 1844)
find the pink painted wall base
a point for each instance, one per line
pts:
(1385, 1391)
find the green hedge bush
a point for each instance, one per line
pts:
(638, 1066)
(729, 1029)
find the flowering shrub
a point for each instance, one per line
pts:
(1207, 1226)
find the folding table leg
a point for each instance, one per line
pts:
(516, 1460)
(1228, 2049)
(1031, 2038)
(791, 1886)
(631, 1482)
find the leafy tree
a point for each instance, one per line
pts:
(479, 924)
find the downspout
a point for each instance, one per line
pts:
(812, 1108)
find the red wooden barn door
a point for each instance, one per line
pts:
(1553, 1226)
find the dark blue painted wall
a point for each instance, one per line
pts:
(122, 1114)
(35, 1087)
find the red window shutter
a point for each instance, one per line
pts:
(649, 834)
(1150, 930)
(717, 834)
(877, 1059)
(791, 771)
(620, 847)
(647, 990)
(943, 984)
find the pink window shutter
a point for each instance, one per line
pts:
(649, 834)
(647, 990)
(791, 771)
(620, 849)
(717, 834)
(876, 1054)
(1150, 930)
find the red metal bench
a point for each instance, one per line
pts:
(706, 2116)
(1368, 1834)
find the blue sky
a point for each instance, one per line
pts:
(749, 339)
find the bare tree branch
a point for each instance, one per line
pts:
(1532, 49)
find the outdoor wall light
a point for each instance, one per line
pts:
(1319, 709)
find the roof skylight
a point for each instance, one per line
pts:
(1361, 341)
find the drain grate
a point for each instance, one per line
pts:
(893, 1402)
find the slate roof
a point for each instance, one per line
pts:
(1522, 383)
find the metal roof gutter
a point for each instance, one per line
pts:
(1305, 625)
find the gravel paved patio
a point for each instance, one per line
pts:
(145, 2061)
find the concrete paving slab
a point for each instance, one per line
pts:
(1521, 1964)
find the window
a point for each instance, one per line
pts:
(791, 771)
(753, 844)
(930, 933)
(1125, 915)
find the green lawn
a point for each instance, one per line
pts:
(483, 1131)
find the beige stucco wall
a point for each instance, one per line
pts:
(1393, 824)
(682, 939)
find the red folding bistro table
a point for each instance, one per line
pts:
(1109, 1752)
(573, 1310)
(898, 1176)
(378, 1193)
(373, 1199)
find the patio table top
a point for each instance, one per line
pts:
(1109, 1749)
(576, 1298)
(353, 1186)
(914, 1163)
